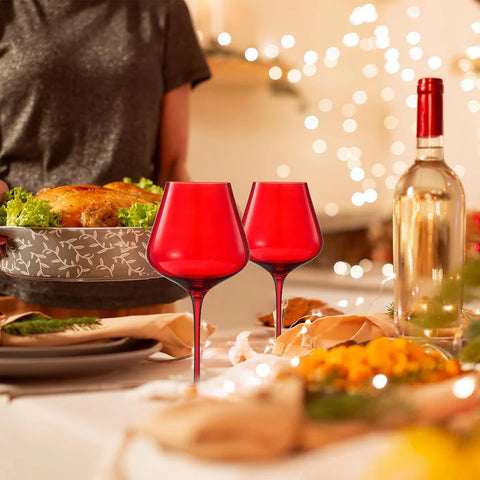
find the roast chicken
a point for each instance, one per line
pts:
(92, 205)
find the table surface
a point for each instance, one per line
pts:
(46, 435)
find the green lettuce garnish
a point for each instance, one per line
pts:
(146, 184)
(21, 209)
(138, 215)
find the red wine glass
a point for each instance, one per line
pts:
(197, 241)
(282, 231)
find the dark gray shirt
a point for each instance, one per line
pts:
(81, 87)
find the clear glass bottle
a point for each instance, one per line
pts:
(429, 233)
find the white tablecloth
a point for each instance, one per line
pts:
(76, 436)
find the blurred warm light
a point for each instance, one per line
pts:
(367, 44)
(271, 50)
(379, 381)
(251, 54)
(415, 53)
(353, 162)
(464, 64)
(382, 42)
(360, 97)
(294, 75)
(370, 70)
(349, 110)
(381, 31)
(413, 11)
(351, 39)
(332, 53)
(342, 303)
(378, 169)
(467, 84)
(283, 171)
(358, 199)
(387, 94)
(263, 370)
(295, 362)
(413, 38)
(464, 388)
(357, 174)
(476, 27)
(434, 62)
(356, 271)
(349, 125)
(473, 52)
(473, 106)
(319, 146)
(370, 195)
(399, 167)
(275, 73)
(341, 268)
(331, 209)
(228, 386)
(200, 35)
(390, 122)
(391, 182)
(309, 70)
(397, 147)
(288, 41)
(330, 62)
(392, 66)
(412, 101)
(325, 105)
(459, 170)
(363, 14)
(310, 57)
(343, 154)
(392, 54)
(407, 74)
(224, 39)
(311, 122)
(366, 264)
(355, 152)
(387, 269)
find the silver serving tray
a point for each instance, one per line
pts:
(72, 254)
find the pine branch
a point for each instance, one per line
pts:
(38, 324)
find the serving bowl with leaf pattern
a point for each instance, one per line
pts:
(70, 254)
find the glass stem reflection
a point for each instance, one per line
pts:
(197, 300)
(278, 279)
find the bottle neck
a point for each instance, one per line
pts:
(430, 148)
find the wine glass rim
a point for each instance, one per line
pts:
(197, 183)
(260, 182)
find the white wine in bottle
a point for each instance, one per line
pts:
(429, 233)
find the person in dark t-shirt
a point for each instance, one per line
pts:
(92, 91)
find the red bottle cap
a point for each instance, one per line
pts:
(430, 107)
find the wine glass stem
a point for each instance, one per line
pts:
(278, 279)
(197, 299)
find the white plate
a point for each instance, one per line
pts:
(91, 348)
(63, 366)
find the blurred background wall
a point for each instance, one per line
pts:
(324, 91)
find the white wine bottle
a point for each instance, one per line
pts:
(429, 233)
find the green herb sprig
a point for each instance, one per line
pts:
(38, 324)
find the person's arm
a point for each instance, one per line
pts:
(174, 136)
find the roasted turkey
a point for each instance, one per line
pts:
(92, 205)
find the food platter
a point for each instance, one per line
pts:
(73, 254)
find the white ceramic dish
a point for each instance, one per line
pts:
(22, 368)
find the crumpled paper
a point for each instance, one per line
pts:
(173, 330)
(327, 332)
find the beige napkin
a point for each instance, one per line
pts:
(173, 330)
(329, 331)
(262, 426)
